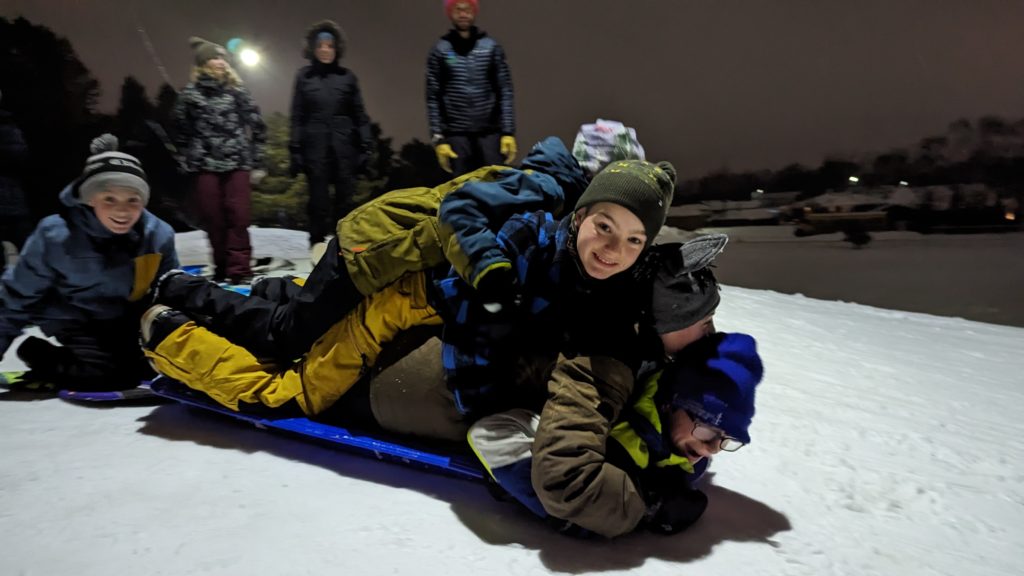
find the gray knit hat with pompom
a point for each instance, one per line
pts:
(107, 167)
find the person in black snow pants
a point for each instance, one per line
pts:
(469, 96)
(330, 132)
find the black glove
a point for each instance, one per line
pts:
(498, 290)
(296, 165)
(677, 511)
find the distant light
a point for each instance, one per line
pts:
(904, 183)
(759, 191)
(1010, 216)
(854, 179)
(249, 57)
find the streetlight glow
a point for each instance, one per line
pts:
(854, 179)
(249, 57)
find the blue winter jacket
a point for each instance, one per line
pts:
(73, 271)
(560, 311)
(469, 217)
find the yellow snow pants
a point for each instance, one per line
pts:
(230, 374)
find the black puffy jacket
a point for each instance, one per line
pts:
(469, 86)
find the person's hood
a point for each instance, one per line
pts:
(331, 28)
(551, 157)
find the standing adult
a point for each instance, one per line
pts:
(469, 95)
(330, 131)
(15, 223)
(219, 130)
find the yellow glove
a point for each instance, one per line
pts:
(444, 156)
(508, 148)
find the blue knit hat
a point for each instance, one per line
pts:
(714, 380)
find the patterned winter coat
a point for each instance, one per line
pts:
(469, 86)
(73, 271)
(218, 127)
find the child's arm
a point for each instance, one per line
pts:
(22, 286)
(471, 215)
(250, 114)
(570, 474)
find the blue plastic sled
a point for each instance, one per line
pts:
(462, 467)
(142, 392)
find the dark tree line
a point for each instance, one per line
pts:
(989, 151)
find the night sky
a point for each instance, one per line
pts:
(712, 84)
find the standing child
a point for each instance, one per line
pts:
(221, 133)
(82, 277)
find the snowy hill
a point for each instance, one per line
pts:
(884, 443)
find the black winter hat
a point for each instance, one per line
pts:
(685, 289)
(643, 187)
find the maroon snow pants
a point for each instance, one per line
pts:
(223, 204)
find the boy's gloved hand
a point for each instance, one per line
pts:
(445, 154)
(498, 290)
(677, 511)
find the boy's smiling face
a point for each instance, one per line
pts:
(610, 239)
(118, 208)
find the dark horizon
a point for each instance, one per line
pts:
(749, 87)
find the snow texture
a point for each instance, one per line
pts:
(885, 442)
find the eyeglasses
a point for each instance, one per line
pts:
(711, 435)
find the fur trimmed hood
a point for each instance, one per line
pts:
(332, 28)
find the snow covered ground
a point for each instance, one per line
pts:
(885, 442)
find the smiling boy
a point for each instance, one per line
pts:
(82, 274)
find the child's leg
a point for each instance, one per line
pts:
(326, 296)
(283, 327)
(352, 346)
(229, 373)
(93, 359)
(244, 320)
(211, 364)
(208, 198)
(412, 397)
(503, 442)
(237, 215)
